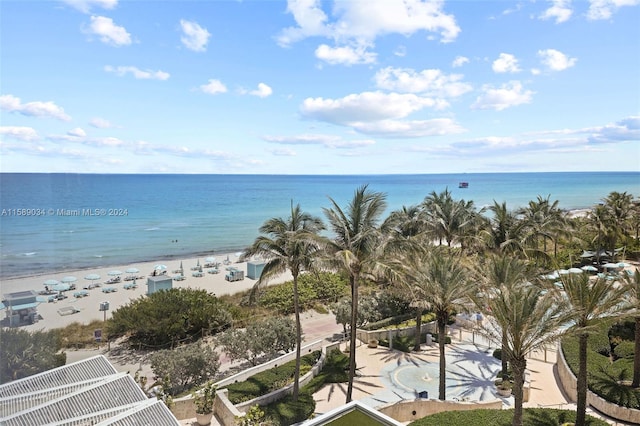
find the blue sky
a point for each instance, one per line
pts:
(319, 87)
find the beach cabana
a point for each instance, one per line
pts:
(159, 282)
(254, 269)
(21, 307)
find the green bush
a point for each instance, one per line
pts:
(334, 371)
(497, 353)
(604, 376)
(386, 322)
(625, 349)
(447, 339)
(531, 417)
(265, 382)
(287, 412)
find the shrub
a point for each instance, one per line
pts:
(625, 350)
(24, 353)
(603, 375)
(531, 417)
(185, 366)
(287, 412)
(497, 353)
(264, 382)
(447, 339)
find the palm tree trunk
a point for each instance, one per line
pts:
(296, 308)
(519, 366)
(442, 387)
(636, 357)
(416, 347)
(581, 409)
(352, 339)
(504, 358)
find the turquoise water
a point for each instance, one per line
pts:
(132, 218)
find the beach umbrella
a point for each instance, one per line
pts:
(160, 267)
(210, 259)
(198, 263)
(51, 282)
(132, 271)
(611, 265)
(575, 271)
(92, 277)
(553, 276)
(623, 265)
(69, 279)
(114, 273)
(61, 287)
(589, 268)
(563, 271)
(239, 254)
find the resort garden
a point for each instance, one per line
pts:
(423, 262)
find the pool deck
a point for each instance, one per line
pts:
(471, 370)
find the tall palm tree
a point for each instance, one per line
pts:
(443, 285)
(587, 302)
(288, 244)
(632, 285)
(404, 231)
(354, 249)
(620, 207)
(500, 274)
(524, 318)
(542, 220)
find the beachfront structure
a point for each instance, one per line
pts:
(21, 307)
(159, 282)
(254, 269)
(86, 392)
(354, 413)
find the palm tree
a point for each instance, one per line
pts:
(404, 232)
(441, 283)
(632, 285)
(288, 244)
(354, 249)
(620, 208)
(542, 220)
(525, 318)
(502, 233)
(587, 302)
(501, 274)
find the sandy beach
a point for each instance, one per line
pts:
(88, 306)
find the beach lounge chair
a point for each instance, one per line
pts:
(109, 289)
(213, 271)
(130, 286)
(81, 293)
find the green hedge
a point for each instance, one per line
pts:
(604, 374)
(531, 417)
(286, 412)
(269, 380)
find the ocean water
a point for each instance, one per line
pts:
(55, 222)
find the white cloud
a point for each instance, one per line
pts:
(364, 21)
(33, 109)
(137, 73)
(195, 37)
(603, 9)
(556, 60)
(100, 123)
(26, 134)
(431, 82)
(400, 51)
(262, 91)
(86, 5)
(345, 55)
(77, 132)
(283, 152)
(109, 32)
(459, 61)
(366, 106)
(409, 128)
(213, 87)
(625, 130)
(329, 141)
(508, 95)
(560, 10)
(506, 63)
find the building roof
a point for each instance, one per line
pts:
(90, 391)
(372, 416)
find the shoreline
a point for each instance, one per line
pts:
(572, 213)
